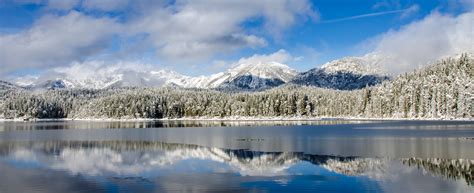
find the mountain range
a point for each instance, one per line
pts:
(344, 74)
(4, 85)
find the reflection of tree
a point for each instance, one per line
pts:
(43, 125)
(449, 168)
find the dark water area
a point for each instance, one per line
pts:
(237, 156)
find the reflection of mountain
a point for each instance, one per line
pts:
(138, 157)
(119, 157)
(451, 169)
(358, 166)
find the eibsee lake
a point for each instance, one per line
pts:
(237, 156)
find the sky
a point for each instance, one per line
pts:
(202, 37)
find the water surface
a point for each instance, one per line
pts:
(223, 156)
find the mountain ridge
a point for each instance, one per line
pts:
(260, 73)
(347, 73)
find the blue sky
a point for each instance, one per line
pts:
(206, 36)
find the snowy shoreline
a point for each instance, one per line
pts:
(240, 119)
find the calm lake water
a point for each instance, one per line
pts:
(216, 156)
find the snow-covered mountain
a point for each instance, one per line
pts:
(4, 85)
(252, 76)
(345, 74)
(119, 78)
(243, 76)
(365, 65)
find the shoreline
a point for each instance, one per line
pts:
(237, 119)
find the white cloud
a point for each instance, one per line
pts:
(199, 29)
(105, 5)
(281, 56)
(25, 80)
(183, 30)
(56, 40)
(432, 38)
(387, 4)
(90, 69)
(100, 74)
(468, 4)
(410, 11)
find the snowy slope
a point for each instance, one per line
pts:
(125, 78)
(262, 75)
(344, 74)
(4, 85)
(366, 65)
(248, 76)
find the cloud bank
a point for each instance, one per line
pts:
(425, 41)
(281, 56)
(183, 30)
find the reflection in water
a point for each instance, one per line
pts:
(361, 157)
(451, 169)
(149, 160)
(135, 158)
(78, 124)
(358, 166)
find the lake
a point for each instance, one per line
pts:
(237, 156)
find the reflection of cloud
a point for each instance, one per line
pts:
(24, 155)
(103, 161)
(181, 167)
(97, 162)
(15, 180)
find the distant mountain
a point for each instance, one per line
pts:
(4, 85)
(250, 82)
(119, 78)
(344, 74)
(248, 76)
(256, 76)
(50, 85)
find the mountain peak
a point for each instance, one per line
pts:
(365, 65)
(345, 74)
(265, 70)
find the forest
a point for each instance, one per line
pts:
(443, 90)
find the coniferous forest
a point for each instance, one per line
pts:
(442, 90)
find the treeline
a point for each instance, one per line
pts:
(443, 90)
